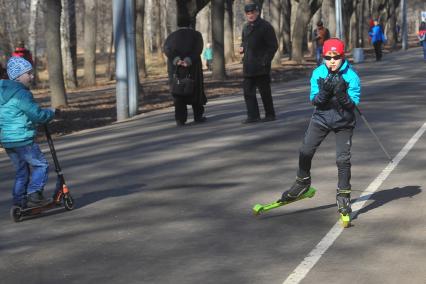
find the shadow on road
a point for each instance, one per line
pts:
(385, 196)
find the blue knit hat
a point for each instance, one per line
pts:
(16, 66)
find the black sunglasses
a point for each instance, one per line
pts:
(337, 57)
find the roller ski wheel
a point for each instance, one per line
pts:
(68, 202)
(345, 220)
(16, 214)
(260, 208)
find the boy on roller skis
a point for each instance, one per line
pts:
(335, 91)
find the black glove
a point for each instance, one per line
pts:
(325, 92)
(340, 91)
(328, 85)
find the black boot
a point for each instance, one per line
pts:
(343, 200)
(36, 199)
(299, 187)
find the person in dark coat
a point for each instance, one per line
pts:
(259, 44)
(183, 49)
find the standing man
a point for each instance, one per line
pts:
(321, 34)
(259, 45)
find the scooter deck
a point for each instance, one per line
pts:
(260, 208)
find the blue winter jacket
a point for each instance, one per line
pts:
(331, 113)
(376, 34)
(19, 114)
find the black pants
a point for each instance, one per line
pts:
(378, 50)
(312, 140)
(263, 83)
(181, 112)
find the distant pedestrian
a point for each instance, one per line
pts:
(22, 51)
(19, 116)
(422, 38)
(259, 44)
(183, 49)
(208, 56)
(377, 38)
(321, 34)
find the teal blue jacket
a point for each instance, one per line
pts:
(332, 114)
(208, 54)
(19, 115)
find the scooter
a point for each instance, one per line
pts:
(61, 196)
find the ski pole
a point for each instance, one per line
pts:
(374, 134)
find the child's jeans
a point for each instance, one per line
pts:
(28, 160)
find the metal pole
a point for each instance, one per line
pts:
(132, 68)
(339, 26)
(120, 60)
(404, 30)
(374, 134)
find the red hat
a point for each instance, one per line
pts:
(334, 44)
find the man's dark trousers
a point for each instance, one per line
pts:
(263, 83)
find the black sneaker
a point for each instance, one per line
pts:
(36, 199)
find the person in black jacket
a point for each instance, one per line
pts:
(259, 44)
(183, 49)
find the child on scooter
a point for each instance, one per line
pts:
(19, 115)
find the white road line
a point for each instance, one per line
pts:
(308, 263)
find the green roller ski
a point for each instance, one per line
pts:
(259, 208)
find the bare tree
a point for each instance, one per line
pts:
(305, 10)
(229, 31)
(54, 58)
(90, 42)
(218, 11)
(32, 35)
(286, 25)
(275, 22)
(140, 35)
(70, 74)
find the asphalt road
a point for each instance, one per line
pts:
(161, 204)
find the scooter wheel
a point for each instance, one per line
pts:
(16, 213)
(68, 202)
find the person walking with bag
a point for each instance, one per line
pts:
(183, 49)
(259, 44)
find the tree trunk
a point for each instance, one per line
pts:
(67, 60)
(275, 21)
(218, 11)
(54, 57)
(392, 24)
(305, 10)
(140, 35)
(90, 42)
(300, 26)
(332, 17)
(286, 26)
(229, 32)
